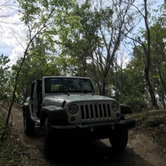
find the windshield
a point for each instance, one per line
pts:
(53, 85)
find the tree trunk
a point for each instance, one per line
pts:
(103, 88)
(147, 52)
(150, 88)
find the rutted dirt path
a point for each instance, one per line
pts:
(141, 150)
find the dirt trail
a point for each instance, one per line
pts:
(141, 150)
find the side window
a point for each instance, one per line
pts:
(47, 85)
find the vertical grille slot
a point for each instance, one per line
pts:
(109, 110)
(87, 112)
(104, 110)
(91, 111)
(82, 112)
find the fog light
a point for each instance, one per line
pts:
(72, 118)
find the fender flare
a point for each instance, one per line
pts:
(53, 112)
(125, 109)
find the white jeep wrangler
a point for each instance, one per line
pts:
(69, 106)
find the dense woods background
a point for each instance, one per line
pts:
(120, 45)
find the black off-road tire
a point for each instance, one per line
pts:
(47, 138)
(28, 123)
(119, 139)
(53, 144)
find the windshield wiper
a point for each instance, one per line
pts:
(86, 92)
(66, 93)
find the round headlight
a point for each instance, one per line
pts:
(73, 109)
(115, 106)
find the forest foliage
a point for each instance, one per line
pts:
(88, 38)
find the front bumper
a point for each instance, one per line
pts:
(96, 130)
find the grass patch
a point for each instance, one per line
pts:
(147, 115)
(10, 153)
(10, 148)
(153, 121)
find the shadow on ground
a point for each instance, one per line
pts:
(81, 153)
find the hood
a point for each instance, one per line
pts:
(59, 99)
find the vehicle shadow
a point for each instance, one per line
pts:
(95, 153)
(83, 153)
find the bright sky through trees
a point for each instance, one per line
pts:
(13, 32)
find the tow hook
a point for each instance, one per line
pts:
(92, 130)
(113, 127)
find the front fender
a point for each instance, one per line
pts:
(125, 109)
(56, 114)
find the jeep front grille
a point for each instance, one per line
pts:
(95, 112)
